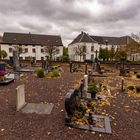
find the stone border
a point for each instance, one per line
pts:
(106, 129)
(6, 82)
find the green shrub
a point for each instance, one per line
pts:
(92, 88)
(131, 87)
(55, 73)
(49, 74)
(40, 73)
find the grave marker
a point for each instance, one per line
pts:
(38, 108)
(85, 82)
(20, 97)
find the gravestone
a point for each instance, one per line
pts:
(20, 97)
(89, 76)
(70, 66)
(37, 108)
(85, 82)
(2, 70)
(86, 68)
(81, 88)
(2, 67)
(72, 102)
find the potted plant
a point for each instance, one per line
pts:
(93, 89)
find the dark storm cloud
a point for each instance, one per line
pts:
(68, 17)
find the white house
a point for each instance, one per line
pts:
(33, 45)
(92, 45)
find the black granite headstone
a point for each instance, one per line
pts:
(2, 67)
(72, 102)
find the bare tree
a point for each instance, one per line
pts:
(136, 37)
(80, 51)
(51, 51)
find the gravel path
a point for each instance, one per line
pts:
(124, 110)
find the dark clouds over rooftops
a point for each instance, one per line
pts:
(68, 17)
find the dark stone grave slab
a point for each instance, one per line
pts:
(6, 82)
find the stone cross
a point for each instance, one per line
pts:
(20, 97)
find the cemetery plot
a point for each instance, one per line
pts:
(78, 108)
(38, 108)
(121, 108)
(4, 80)
(97, 123)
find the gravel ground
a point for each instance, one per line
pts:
(124, 110)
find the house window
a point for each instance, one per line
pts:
(33, 50)
(42, 58)
(42, 50)
(84, 57)
(26, 50)
(27, 58)
(84, 49)
(92, 48)
(11, 58)
(20, 58)
(10, 50)
(92, 56)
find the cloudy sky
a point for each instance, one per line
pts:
(69, 17)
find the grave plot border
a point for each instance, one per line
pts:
(6, 82)
(106, 129)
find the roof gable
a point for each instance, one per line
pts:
(83, 37)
